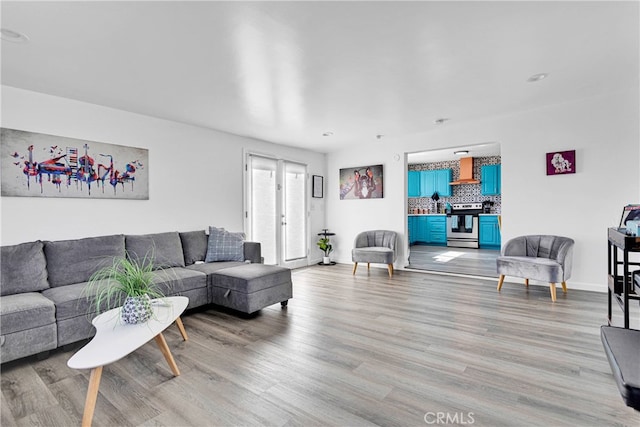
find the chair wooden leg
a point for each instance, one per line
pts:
(526, 282)
(564, 287)
(390, 268)
(552, 288)
(500, 282)
(355, 265)
(368, 265)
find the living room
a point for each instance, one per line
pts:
(196, 171)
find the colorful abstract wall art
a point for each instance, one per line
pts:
(361, 182)
(41, 165)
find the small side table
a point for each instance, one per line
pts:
(326, 234)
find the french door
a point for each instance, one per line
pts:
(276, 214)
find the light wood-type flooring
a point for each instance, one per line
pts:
(472, 262)
(366, 350)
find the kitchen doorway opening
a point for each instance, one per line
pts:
(453, 209)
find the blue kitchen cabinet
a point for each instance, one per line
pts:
(413, 184)
(420, 227)
(489, 232)
(427, 183)
(436, 230)
(436, 181)
(443, 178)
(490, 180)
(411, 226)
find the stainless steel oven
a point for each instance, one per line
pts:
(462, 225)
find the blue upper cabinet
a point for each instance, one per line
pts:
(436, 181)
(490, 180)
(414, 184)
(443, 178)
(427, 183)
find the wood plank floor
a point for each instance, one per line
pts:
(472, 262)
(353, 351)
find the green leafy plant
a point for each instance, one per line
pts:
(125, 277)
(325, 245)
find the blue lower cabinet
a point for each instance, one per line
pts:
(437, 230)
(420, 229)
(489, 232)
(412, 229)
(429, 229)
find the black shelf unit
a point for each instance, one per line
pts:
(620, 272)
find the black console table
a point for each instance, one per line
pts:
(620, 275)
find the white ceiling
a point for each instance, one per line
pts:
(287, 72)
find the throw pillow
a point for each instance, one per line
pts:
(224, 245)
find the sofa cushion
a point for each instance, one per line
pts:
(75, 300)
(74, 261)
(23, 268)
(194, 246)
(25, 311)
(224, 245)
(173, 281)
(250, 278)
(211, 267)
(164, 248)
(374, 254)
(536, 268)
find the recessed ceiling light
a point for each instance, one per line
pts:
(440, 121)
(327, 134)
(461, 152)
(379, 136)
(537, 77)
(13, 36)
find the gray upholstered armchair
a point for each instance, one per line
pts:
(377, 246)
(539, 257)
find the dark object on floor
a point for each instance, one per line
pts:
(622, 347)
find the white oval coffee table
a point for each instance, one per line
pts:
(115, 340)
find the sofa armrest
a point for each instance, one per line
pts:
(253, 252)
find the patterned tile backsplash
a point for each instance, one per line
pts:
(461, 193)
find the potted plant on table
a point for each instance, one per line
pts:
(127, 283)
(325, 246)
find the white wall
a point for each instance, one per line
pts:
(604, 131)
(196, 174)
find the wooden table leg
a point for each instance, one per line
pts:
(183, 331)
(164, 348)
(92, 396)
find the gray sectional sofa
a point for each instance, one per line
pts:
(43, 301)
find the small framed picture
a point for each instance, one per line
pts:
(317, 186)
(561, 162)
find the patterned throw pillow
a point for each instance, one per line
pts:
(224, 245)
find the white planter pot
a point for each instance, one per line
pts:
(326, 260)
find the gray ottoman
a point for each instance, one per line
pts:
(251, 287)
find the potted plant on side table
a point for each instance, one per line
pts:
(325, 246)
(127, 283)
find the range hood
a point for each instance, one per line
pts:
(466, 172)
